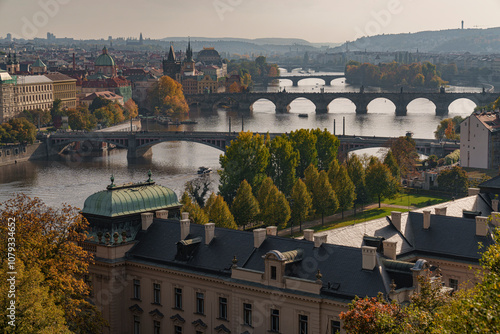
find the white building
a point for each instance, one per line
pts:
(480, 141)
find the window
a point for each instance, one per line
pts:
(137, 325)
(137, 289)
(247, 314)
(156, 293)
(157, 327)
(454, 284)
(302, 324)
(177, 329)
(222, 308)
(273, 272)
(178, 298)
(335, 326)
(200, 303)
(275, 320)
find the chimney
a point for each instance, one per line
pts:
(147, 220)
(396, 219)
(390, 249)
(495, 219)
(427, 219)
(481, 226)
(185, 223)
(494, 205)
(209, 232)
(309, 234)
(473, 191)
(162, 214)
(369, 257)
(320, 239)
(184, 215)
(272, 230)
(440, 211)
(259, 235)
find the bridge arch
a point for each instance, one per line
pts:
(310, 78)
(300, 99)
(286, 82)
(462, 106)
(421, 105)
(383, 103)
(341, 104)
(219, 144)
(264, 105)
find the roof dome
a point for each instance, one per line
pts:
(130, 199)
(104, 59)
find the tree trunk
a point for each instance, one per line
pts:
(379, 201)
(322, 218)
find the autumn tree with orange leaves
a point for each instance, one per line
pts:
(167, 97)
(49, 260)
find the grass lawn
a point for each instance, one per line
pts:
(351, 220)
(416, 200)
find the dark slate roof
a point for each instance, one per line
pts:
(449, 237)
(339, 265)
(491, 185)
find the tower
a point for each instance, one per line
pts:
(141, 41)
(188, 65)
(171, 66)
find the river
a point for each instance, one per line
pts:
(72, 179)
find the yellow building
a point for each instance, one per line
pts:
(64, 89)
(32, 92)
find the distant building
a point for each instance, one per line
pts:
(7, 108)
(38, 67)
(64, 89)
(480, 140)
(107, 95)
(105, 64)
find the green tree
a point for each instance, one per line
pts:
(453, 180)
(311, 176)
(245, 207)
(301, 201)
(56, 108)
(327, 146)
(220, 215)
(246, 158)
(274, 207)
(324, 197)
(37, 117)
(283, 161)
(167, 96)
(357, 175)
(99, 103)
(392, 164)
(208, 204)
(198, 189)
(81, 119)
(449, 128)
(17, 130)
(379, 182)
(304, 141)
(344, 189)
(405, 152)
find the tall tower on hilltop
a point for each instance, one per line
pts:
(141, 41)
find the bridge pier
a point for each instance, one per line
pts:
(361, 107)
(281, 108)
(441, 109)
(295, 83)
(321, 107)
(401, 110)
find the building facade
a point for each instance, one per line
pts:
(64, 89)
(7, 108)
(480, 140)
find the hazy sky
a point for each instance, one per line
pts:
(313, 20)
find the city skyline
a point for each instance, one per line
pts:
(319, 22)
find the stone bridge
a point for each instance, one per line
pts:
(282, 100)
(327, 78)
(139, 144)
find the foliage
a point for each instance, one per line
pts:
(195, 212)
(245, 207)
(379, 181)
(56, 108)
(37, 116)
(301, 202)
(357, 175)
(327, 146)
(283, 161)
(131, 109)
(48, 240)
(452, 158)
(274, 208)
(394, 74)
(431, 161)
(453, 180)
(81, 119)
(392, 164)
(99, 103)
(17, 130)
(167, 97)
(246, 158)
(110, 114)
(344, 189)
(253, 69)
(220, 215)
(449, 128)
(198, 189)
(404, 150)
(304, 141)
(324, 197)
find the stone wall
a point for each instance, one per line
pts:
(14, 153)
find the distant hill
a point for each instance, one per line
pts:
(257, 41)
(478, 41)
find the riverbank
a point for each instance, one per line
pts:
(13, 153)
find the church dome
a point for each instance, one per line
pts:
(128, 199)
(104, 59)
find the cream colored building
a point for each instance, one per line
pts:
(7, 110)
(32, 92)
(64, 89)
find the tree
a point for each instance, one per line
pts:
(301, 201)
(81, 119)
(220, 215)
(311, 176)
(49, 240)
(324, 197)
(246, 158)
(210, 201)
(167, 96)
(56, 108)
(98, 103)
(245, 207)
(283, 161)
(453, 180)
(274, 207)
(344, 189)
(198, 189)
(304, 141)
(131, 109)
(327, 146)
(449, 128)
(17, 130)
(379, 181)
(37, 117)
(392, 164)
(357, 175)
(405, 152)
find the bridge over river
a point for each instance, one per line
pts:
(295, 79)
(282, 100)
(139, 144)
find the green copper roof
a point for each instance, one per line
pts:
(104, 59)
(130, 199)
(38, 63)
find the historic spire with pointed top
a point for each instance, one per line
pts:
(9, 59)
(15, 59)
(189, 51)
(171, 54)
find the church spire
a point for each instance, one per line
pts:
(189, 51)
(171, 54)
(9, 59)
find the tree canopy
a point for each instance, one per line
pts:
(167, 97)
(245, 207)
(17, 130)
